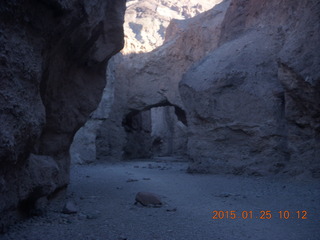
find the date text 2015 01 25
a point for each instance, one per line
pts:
(263, 214)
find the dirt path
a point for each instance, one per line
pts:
(105, 196)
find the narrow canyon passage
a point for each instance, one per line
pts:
(212, 105)
(105, 193)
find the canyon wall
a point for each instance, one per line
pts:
(145, 81)
(53, 58)
(253, 102)
(139, 84)
(146, 22)
(244, 82)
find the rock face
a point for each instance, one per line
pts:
(138, 83)
(243, 80)
(146, 81)
(83, 147)
(53, 57)
(253, 102)
(146, 21)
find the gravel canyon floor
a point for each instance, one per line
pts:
(105, 195)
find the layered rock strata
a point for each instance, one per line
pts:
(53, 62)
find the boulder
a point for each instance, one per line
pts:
(148, 199)
(252, 102)
(70, 207)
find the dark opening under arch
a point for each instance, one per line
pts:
(180, 113)
(156, 130)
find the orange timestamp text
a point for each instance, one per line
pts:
(263, 214)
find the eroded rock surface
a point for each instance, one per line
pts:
(246, 76)
(53, 59)
(146, 21)
(146, 81)
(141, 81)
(253, 102)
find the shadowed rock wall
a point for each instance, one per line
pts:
(53, 57)
(253, 102)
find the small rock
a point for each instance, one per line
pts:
(40, 207)
(70, 208)
(145, 178)
(224, 195)
(136, 166)
(148, 199)
(64, 221)
(171, 209)
(122, 238)
(92, 216)
(132, 180)
(82, 217)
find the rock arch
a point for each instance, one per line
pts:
(156, 130)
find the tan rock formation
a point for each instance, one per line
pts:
(146, 21)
